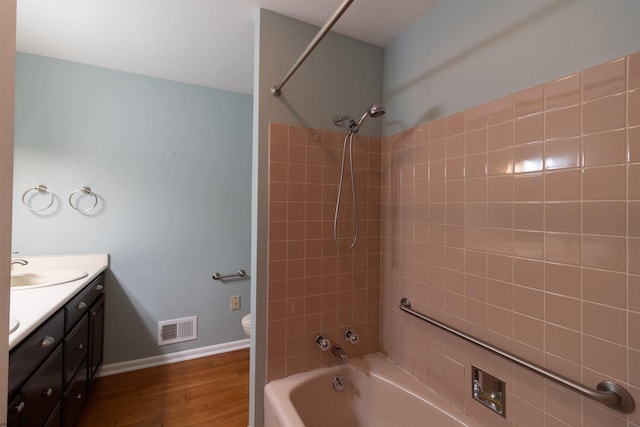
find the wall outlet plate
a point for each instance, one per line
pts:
(234, 303)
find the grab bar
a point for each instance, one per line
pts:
(218, 276)
(608, 393)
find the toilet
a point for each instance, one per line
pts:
(246, 325)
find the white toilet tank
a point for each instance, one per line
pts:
(246, 324)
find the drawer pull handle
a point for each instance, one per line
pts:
(82, 305)
(47, 393)
(78, 396)
(19, 408)
(99, 287)
(79, 347)
(47, 341)
(94, 313)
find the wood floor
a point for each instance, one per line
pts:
(210, 391)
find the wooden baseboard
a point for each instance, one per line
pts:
(164, 359)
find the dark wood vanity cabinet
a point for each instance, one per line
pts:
(39, 395)
(50, 372)
(96, 338)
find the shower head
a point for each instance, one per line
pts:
(376, 110)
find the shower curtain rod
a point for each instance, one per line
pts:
(276, 89)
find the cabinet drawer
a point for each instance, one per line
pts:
(74, 397)
(80, 304)
(25, 358)
(37, 398)
(76, 345)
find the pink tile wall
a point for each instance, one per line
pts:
(314, 288)
(518, 221)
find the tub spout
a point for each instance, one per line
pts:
(19, 261)
(339, 352)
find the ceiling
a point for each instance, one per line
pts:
(203, 42)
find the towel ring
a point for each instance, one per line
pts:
(42, 189)
(85, 191)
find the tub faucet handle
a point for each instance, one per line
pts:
(351, 337)
(323, 343)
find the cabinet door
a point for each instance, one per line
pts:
(74, 397)
(55, 418)
(96, 337)
(76, 346)
(26, 357)
(40, 394)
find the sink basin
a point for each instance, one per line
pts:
(44, 278)
(13, 324)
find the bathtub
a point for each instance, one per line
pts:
(377, 393)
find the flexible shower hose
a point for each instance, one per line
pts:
(349, 137)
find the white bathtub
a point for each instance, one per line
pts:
(378, 393)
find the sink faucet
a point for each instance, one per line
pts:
(339, 352)
(19, 261)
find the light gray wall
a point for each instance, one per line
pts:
(172, 165)
(464, 53)
(342, 76)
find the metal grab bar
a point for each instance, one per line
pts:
(218, 276)
(277, 89)
(608, 393)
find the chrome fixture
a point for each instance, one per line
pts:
(351, 337)
(375, 110)
(608, 393)
(77, 194)
(14, 324)
(348, 122)
(33, 192)
(276, 90)
(339, 352)
(339, 382)
(488, 390)
(322, 343)
(19, 261)
(218, 276)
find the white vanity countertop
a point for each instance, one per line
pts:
(33, 306)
